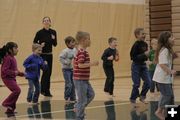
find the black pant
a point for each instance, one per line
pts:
(46, 76)
(109, 84)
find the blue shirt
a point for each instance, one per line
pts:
(32, 65)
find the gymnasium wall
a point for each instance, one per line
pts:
(21, 19)
(164, 15)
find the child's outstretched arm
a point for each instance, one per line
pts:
(85, 65)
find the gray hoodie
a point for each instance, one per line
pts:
(66, 57)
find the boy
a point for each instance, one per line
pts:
(66, 57)
(109, 55)
(152, 64)
(81, 74)
(139, 54)
(32, 65)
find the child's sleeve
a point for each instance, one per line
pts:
(6, 68)
(104, 55)
(28, 63)
(163, 56)
(43, 66)
(63, 58)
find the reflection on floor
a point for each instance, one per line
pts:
(97, 110)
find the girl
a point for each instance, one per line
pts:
(164, 73)
(9, 72)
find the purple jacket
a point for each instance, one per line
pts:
(8, 68)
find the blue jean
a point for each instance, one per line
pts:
(69, 90)
(139, 71)
(167, 95)
(85, 95)
(33, 96)
(153, 83)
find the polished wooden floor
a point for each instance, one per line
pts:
(101, 108)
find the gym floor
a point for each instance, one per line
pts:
(102, 108)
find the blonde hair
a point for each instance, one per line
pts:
(36, 46)
(81, 35)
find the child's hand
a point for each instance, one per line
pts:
(149, 62)
(173, 72)
(45, 62)
(147, 53)
(175, 55)
(43, 44)
(21, 74)
(95, 63)
(110, 57)
(52, 36)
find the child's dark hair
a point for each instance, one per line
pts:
(137, 31)
(111, 39)
(5, 49)
(163, 41)
(68, 40)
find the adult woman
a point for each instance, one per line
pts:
(47, 38)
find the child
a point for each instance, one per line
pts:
(109, 55)
(81, 74)
(164, 73)
(32, 65)
(152, 64)
(139, 54)
(66, 57)
(9, 71)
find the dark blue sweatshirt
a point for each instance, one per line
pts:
(32, 65)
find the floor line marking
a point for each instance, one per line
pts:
(61, 111)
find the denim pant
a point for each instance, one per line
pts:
(153, 83)
(109, 84)
(85, 95)
(10, 101)
(167, 95)
(139, 71)
(33, 96)
(69, 90)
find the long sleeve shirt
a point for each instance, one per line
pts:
(45, 36)
(66, 57)
(138, 50)
(32, 65)
(8, 68)
(107, 53)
